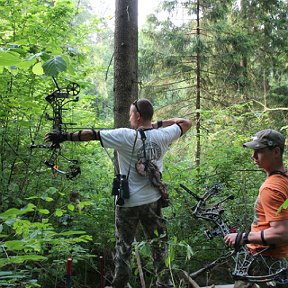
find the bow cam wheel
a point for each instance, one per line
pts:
(73, 89)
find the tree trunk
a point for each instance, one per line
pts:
(125, 60)
(198, 94)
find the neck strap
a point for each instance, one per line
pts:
(278, 172)
(143, 138)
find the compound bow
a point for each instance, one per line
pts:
(277, 269)
(60, 97)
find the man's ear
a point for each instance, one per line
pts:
(138, 116)
(277, 152)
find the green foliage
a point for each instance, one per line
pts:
(43, 218)
(41, 227)
(25, 241)
(55, 65)
(8, 58)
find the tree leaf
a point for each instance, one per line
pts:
(15, 245)
(71, 207)
(69, 233)
(20, 259)
(8, 59)
(51, 190)
(10, 275)
(47, 199)
(43, 211)
(58, 213)
(37, 69)
(55, 65)
(13, 212)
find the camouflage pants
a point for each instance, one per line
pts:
(126, 223)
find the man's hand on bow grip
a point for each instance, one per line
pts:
(56, 137)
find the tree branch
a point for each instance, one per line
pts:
(266, 109)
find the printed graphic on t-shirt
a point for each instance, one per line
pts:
(152, 150)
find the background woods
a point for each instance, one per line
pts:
(224, 65)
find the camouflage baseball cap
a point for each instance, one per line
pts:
(266, 138)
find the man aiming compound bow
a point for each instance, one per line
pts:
(138, 201)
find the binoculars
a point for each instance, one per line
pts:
(120, 188)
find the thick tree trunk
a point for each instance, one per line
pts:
(125, 60)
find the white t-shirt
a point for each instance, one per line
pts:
(156, 144)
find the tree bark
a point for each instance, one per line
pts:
(125, 60)
(198, 94)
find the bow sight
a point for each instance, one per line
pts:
(57, 100)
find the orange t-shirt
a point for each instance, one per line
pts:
(272, 194)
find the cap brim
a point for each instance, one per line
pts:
(254, 145)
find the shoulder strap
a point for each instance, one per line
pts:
(132, 154)
(142, 133)
(143, 138)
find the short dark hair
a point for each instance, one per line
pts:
(145, 108)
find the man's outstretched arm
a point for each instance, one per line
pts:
(82, 135)
(185, 124)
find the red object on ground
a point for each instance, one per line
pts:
(102, 279)
(69, 266)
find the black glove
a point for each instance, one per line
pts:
(56, 137)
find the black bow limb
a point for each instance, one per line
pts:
(202, 210)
